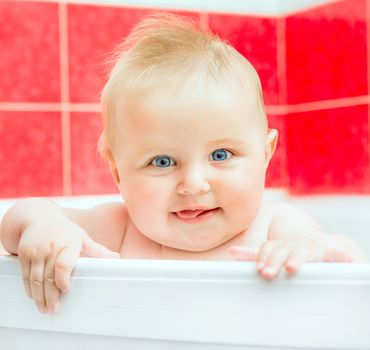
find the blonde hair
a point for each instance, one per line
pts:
(168, 50)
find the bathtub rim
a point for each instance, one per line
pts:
(200, 270)
(91, 305)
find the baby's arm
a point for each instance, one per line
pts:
(295, 238)
(2, 249)
(49, 239)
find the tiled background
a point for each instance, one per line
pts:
(313, 66)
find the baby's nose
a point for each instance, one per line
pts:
(193, 182)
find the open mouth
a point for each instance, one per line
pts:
(190, 214)
(195, 215)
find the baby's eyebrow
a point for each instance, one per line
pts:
(151, 151)
(233, 141)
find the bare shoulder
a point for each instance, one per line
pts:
(3, 251)
(288, 220)
(105, 223)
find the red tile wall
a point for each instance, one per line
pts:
(30, 153)
(327, 147)
(29, 54)
(326, 52)
(329, 150)
(246, 34)
(313, 67)
(89, 172)
(90, 42)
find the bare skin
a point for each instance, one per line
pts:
(192, 174)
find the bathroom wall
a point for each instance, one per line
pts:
(311, 57)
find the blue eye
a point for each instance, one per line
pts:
(221, 154)
(162, 162)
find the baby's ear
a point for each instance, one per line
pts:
(113, 167)
(270, 146)
(114, 172)
(106, 152)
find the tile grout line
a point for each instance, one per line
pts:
(367, 23)
(49, 107)
(319, 105)
(203, 20)
(282, 86)
(271, 109)
(64, 94)
(281, 61)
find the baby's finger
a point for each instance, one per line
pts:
(64, 265)
(25, 262)
(336, 252)
(299, 256)
(37, 282)
(240, 253)
(52, 293)
(308, 251)
(264, 253)
(95, 250)
(275, 261)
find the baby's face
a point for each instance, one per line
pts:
(192, 168)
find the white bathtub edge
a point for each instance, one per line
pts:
(326, 306)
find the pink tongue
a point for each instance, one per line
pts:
(189, 214)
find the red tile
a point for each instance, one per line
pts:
(276, 175)
(256, 39)
(30, 154)
(29, 55)
(328, 151)
(92, 41)
(90, 174)
(326, 52)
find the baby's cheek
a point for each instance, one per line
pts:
(147, 203)
(146, 200)
(242, 198)
(148, 208)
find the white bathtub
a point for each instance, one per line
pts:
(146, 304)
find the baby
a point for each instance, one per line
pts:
(186, 139)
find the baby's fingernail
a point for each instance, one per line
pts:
(290, 268)
(260, 266)
(43, 309)
(269, 271)
(54, 309)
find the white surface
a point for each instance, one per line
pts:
(147, 304)
(250, 7)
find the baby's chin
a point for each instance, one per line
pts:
(198, 244)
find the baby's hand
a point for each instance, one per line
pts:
(48, 253)
(292, 252)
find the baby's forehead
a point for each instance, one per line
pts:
(193, 108)
(194, 101)
(168, 116)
